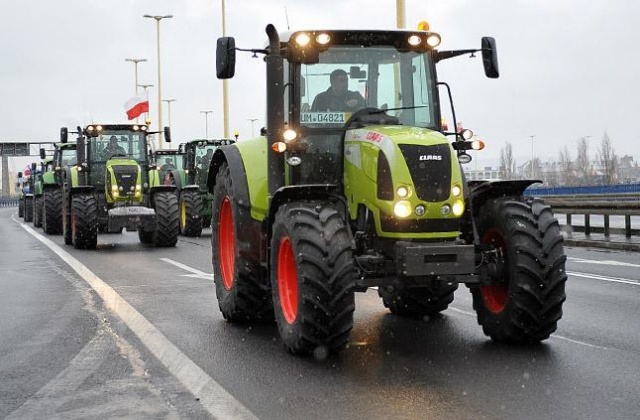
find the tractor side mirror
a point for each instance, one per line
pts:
(33, 167)
(167, 134)
(490, 57)
(19, 174)
(43, 153)
(226, 57)
(64, 134)
(356, 73)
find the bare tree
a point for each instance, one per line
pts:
(507, 162)
(582, 164)
(568, 175)
(608, 161)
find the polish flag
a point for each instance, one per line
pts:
(137, 105)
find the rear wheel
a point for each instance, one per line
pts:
(242, 293)
(52, 213)
(190, 213)
(84, 221)
(312, 277)
(524, 302)
(418, 302)
(21, 207)
(28, 209)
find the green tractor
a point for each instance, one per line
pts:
(49, 187)
(352, 189)
(191, 182)
(114, 186)
(38, 189)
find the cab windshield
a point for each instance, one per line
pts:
(119, 143)
(348, 78)
(68, 157)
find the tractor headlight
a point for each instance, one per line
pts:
(458, 208)
(403, 192)
(414, 40)
(114, 191)
(323, 39)
(402, 208)
(433, 40)
(289, 135)
(303, 39)
(456, 191)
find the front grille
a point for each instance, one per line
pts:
(430, 168)
(126, 177)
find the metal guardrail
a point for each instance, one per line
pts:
(8, 201)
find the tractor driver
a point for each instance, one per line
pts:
(338, 97)
(113, 148)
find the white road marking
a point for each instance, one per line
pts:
(471, 314)
(604, 278)
(213, 397)
(196, 273)
(604, 262)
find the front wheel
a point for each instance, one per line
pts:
(312, 277)
(524, 301)
(190, 213)
(166, 223)
(52, 213)
(37, 210)
(28, 209)
(84, 221)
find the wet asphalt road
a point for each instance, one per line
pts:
(65, 353)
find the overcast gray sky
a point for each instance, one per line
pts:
(569, 68)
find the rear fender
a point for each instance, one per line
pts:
(251, 235)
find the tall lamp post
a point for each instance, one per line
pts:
(135, 62)
(206, 123)
(158, 19)
(252, 121)
(168, 101)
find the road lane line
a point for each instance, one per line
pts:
(604, 262)
(577, 342)
(604, 278)
(471, 314)
(213, 397)
(196, 272)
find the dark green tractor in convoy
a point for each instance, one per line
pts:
(114, 185)
(347, 191)
(38, 189)
(49, 188)
(191, 182)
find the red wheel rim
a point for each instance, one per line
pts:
(226, 243)
(495, 296)
(287, 281)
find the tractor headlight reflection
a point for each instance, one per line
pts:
(402, 208)
(458, 208)
(303, 39)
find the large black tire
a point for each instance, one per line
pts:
(21, 207)
(242, 293)
(145, 236)
(38, 206)
(52, 213)
(312, 277)
(84, 221)
(66, 221)
(525, 304)
(418, 302)
(28, 209)
(167, 225)
(190, 213)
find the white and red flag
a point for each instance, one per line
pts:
(137, 105)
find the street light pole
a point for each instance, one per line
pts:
(158, 19)
(146, 117)
(206, 123)
(168, 101)
(252, 121)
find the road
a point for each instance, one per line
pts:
(134, 331)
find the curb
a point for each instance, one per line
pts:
(622, 246)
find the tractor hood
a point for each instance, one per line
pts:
(123, 181)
